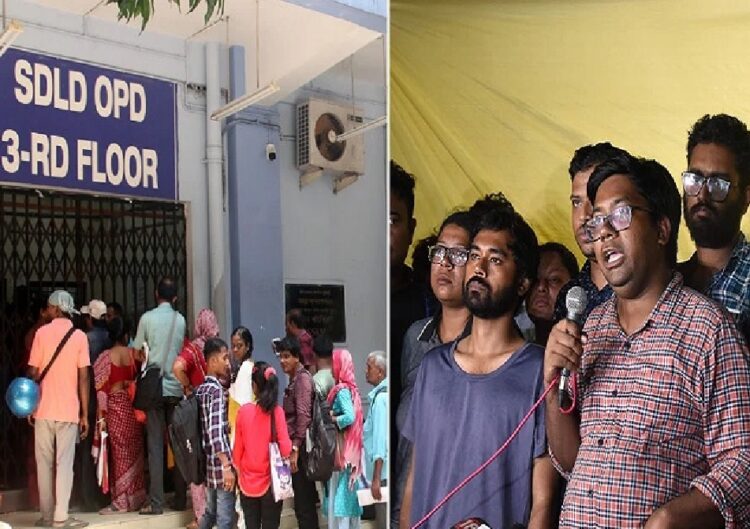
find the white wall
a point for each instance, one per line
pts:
(340, 239)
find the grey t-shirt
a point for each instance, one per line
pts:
(458, 420)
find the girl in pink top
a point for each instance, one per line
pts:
(251, 449)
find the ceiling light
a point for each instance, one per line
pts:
(10, 34)
(245, 101)
(379, 122)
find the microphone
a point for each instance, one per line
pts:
(575, 304)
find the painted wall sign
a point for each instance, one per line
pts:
(79, 127)
(322, 306)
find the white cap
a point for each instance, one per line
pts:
(96, 309)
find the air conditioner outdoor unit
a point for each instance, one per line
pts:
(318, 152)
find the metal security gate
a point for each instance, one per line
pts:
(94, 247)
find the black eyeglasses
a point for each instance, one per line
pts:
(456, 256)
(619, 219)
(718, 188)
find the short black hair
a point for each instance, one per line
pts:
(654, 183)
(591, 155)
(402, 185)
(567, 257)
(167, 289)
(420, 259)
(730, 133)
(115, 307)
(323, 346)
(496, 213)
(213, 347)
(118, 330)
(297, 318)
(462, 218)
(289, 343)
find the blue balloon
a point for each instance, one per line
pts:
(22, 397)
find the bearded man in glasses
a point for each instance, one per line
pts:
(447, 265)
(716, 194)
(659, 438)
(472, 393)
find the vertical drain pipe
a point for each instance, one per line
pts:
(214, 168)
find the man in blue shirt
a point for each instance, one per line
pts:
(470, 396)
(716, 194)
(163, 329)
(376, 431)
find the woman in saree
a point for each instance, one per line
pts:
(190, 369)
(114, 371)
(343, 510)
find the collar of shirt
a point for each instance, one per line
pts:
(211, 379)
(429, 332)
(739, 260)
(373, 392)
(63, 323)
(584, 279)
(659, 314)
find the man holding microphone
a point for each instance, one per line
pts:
(659, 436)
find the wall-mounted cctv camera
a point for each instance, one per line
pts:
(270, 151)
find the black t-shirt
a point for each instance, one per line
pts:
(407, 306)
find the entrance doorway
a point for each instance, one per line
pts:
(94, 247)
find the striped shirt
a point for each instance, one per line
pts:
(215, 426)
(662, 410)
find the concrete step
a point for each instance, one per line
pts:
(168, 520)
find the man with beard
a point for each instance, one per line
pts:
(590, 278)
(716, 195)
(471, 394)
(661, 438)
(447, 259)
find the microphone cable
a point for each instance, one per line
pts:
(500, 450)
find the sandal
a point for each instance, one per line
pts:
(111, 510)
(41, 522)
(70, 522)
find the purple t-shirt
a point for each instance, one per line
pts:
(458, 420)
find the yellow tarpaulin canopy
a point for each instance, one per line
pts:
(496, 96)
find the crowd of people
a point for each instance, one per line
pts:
(652, 428)
(88, 386)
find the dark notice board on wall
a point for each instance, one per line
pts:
(322, 306)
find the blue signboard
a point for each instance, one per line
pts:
(79, 127)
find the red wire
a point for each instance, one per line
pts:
(497, 453)
(573, 395)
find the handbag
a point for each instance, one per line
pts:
(148, 385)
(281, 470)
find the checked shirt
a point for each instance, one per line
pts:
(215, 425)
(663, 409)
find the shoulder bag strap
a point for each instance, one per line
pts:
(378, 392)
(57, 353)
(169, 343)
